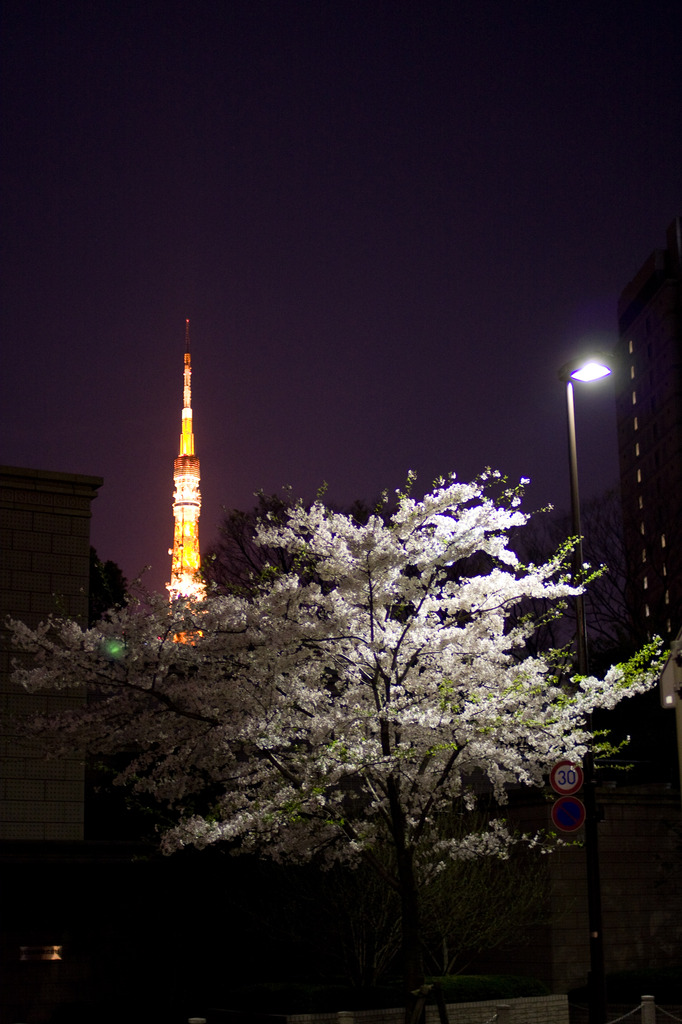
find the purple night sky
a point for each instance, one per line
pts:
(388, 222)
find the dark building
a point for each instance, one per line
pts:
(649, 411)
(44, 570)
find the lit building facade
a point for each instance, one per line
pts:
(185, 557)
(649, 414)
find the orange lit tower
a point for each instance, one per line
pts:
(186, 560)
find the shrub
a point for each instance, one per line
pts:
(470, 988)
(303, 997)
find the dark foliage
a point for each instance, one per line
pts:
(235, 562)
(108, 587)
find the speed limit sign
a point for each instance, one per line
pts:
(566, 778)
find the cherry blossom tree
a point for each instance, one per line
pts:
(348, 705)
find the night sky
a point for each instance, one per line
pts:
(388, 222)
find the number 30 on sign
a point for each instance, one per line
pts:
(566, 778)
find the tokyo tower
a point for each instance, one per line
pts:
(186, 561)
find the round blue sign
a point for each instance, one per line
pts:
(568, 813)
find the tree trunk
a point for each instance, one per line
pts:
(413, 964)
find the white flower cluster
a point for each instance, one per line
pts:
(355, 698)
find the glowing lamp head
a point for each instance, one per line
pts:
(591, 371)
(594, 368)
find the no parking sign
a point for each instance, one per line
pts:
(568, 813)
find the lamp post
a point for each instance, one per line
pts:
(586, 370)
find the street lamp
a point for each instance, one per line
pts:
(586, 370)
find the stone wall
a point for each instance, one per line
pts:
(44, 569)
(529, 1010)
(640, 840)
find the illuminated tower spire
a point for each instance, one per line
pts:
(186, 561)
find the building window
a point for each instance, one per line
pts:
(662, 540)
(667, 597)
(632, 372)
(634, 398)
(636, 423)
(646, 611)
(639, 476)
(637, 449)
(644, 554)
(641, 528)
(645, 583)
(641, 501)
(630, 346)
